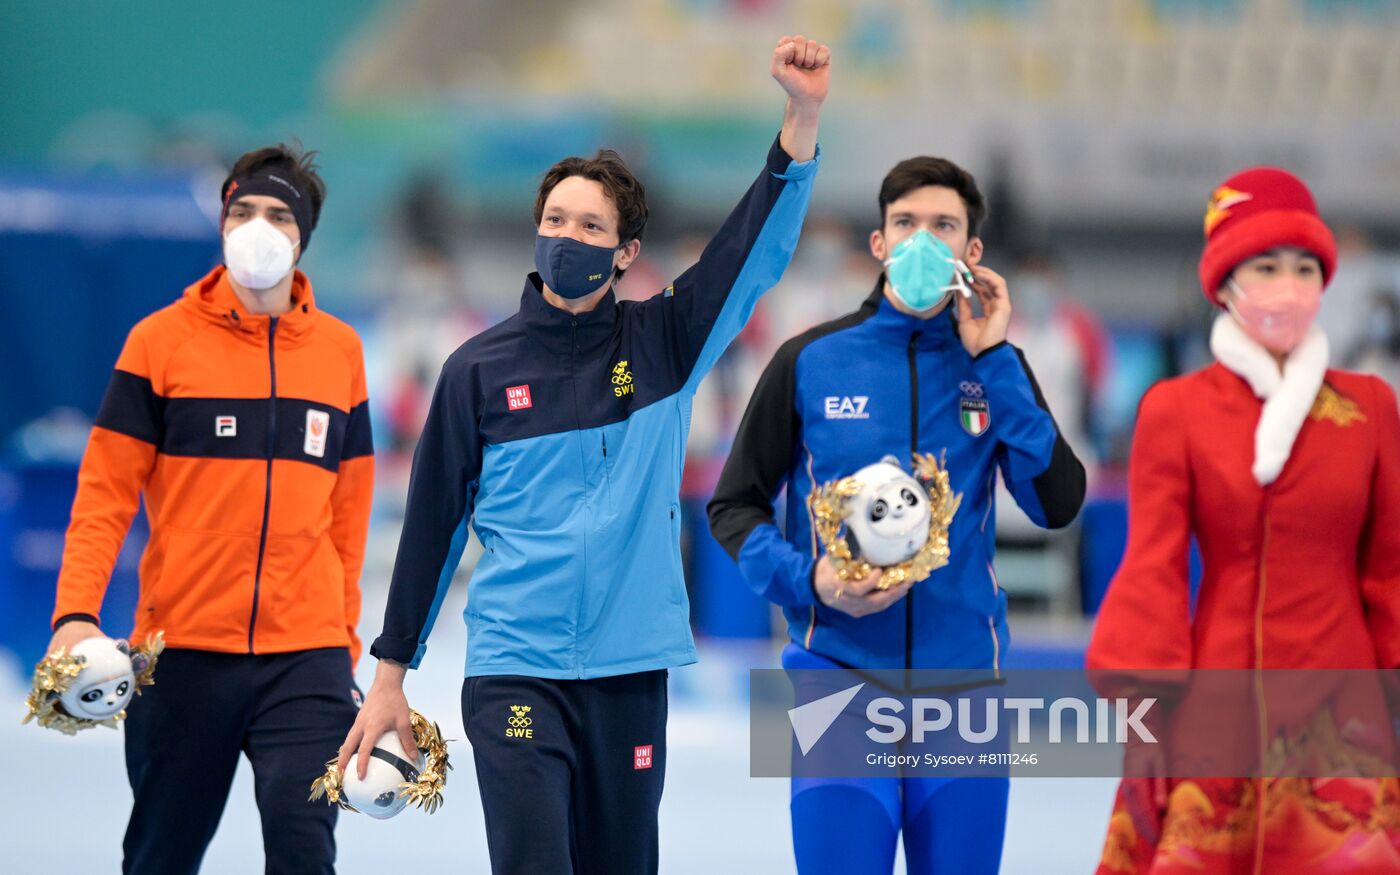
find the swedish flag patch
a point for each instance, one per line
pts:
(669, 291)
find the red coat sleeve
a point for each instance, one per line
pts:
(1379, 561)
(1145, 619)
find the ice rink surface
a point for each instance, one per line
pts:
(68, 803)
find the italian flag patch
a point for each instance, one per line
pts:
(976, 415)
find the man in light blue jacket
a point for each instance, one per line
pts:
(559, 435)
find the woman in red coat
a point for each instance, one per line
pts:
(1288, 475)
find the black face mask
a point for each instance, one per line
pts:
(572, 269)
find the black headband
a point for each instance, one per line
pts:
(278, 184)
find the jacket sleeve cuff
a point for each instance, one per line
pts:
(73, 618)
(799, 571)
(405, 651)
(1001, 372)
(806, 585)
(783, 166)
(1005, 344)
(812, 584)
(775, 569)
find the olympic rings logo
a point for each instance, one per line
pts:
(519, 721)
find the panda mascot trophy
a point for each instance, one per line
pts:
(394, 778)
(92, 684)
(883, 517)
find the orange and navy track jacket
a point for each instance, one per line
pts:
(250, 439)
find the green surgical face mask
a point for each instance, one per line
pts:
(923, 272)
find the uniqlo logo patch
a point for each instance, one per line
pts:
(641, 757)
(226, 426)
(518, 397)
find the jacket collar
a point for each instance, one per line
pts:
(936, 331)
(213, 298)
(559, 329)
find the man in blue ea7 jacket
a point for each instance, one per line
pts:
(559, 436)
(909, 371)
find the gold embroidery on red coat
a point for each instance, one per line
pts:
(1337, 821)
(1122, 840)
(1332, 406)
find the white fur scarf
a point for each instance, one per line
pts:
(1287, 397)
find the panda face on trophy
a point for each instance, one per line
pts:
(893, 509)
(889, 518)
(101, 701)
(106, 683)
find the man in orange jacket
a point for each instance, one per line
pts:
(239, 412)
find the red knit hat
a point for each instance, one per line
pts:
(1257, 210)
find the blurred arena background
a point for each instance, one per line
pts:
(1097, 128)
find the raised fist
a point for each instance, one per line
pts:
(802, 67)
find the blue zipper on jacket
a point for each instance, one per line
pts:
(267, 494)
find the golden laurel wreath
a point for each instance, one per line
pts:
(55, 674)
(828, 504)
(426, 792)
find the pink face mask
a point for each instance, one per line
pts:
(1276, 313)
